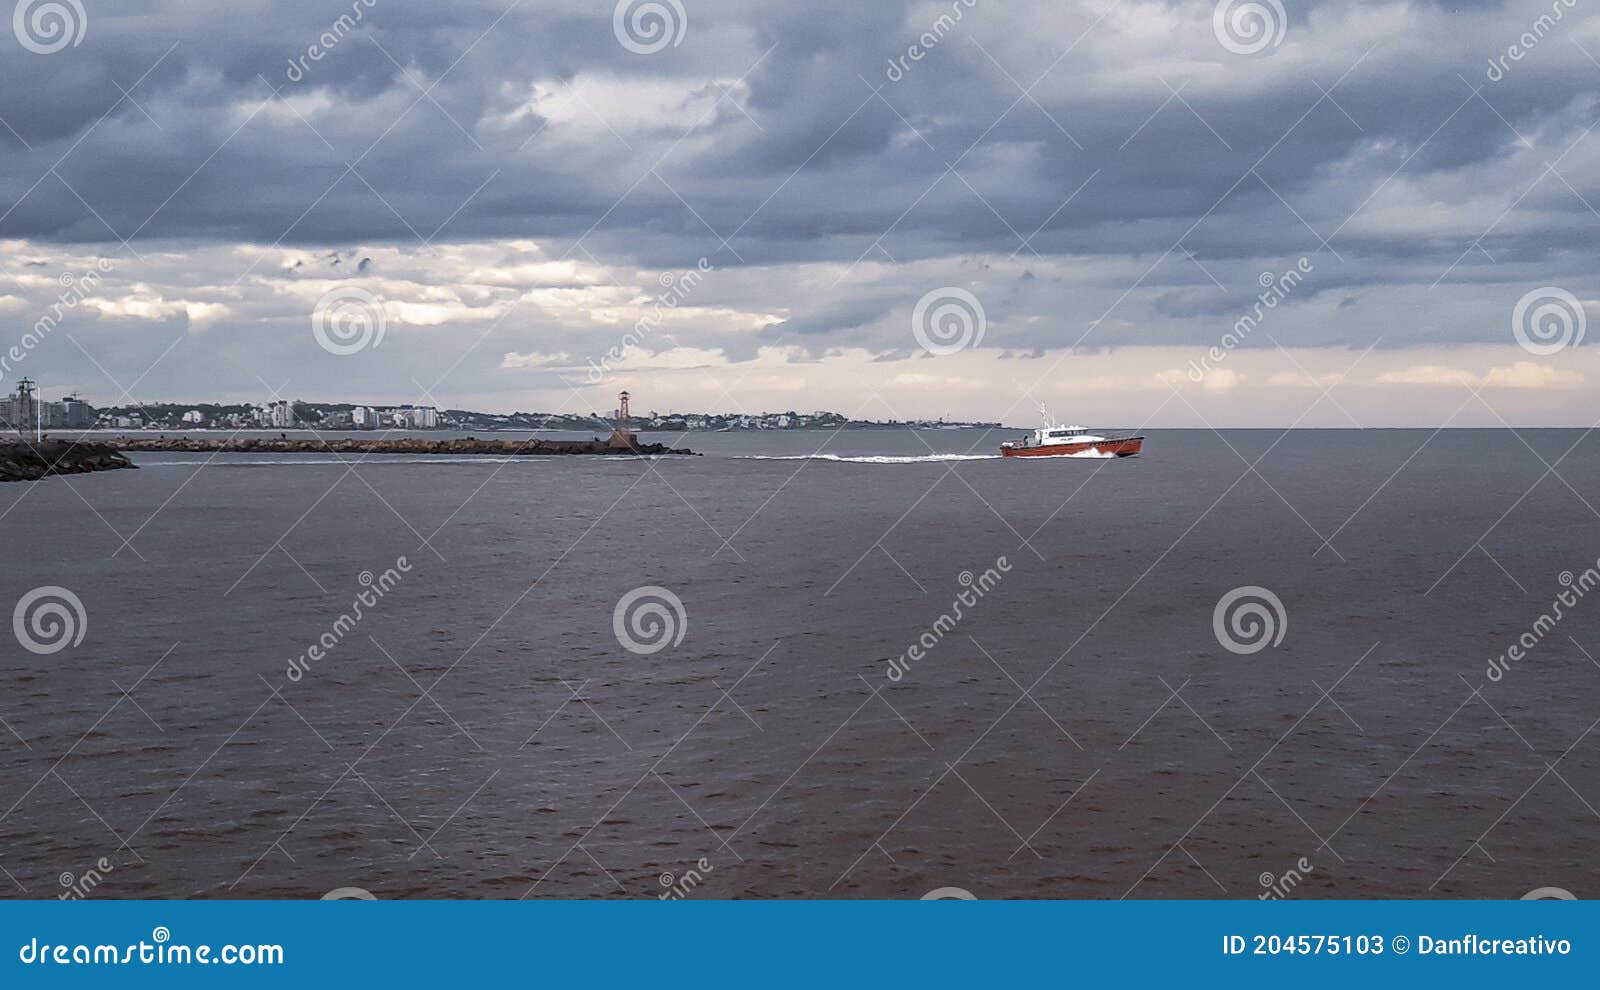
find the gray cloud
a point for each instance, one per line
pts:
(1131, 195)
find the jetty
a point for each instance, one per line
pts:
(622, 443)
(25, 460)
(285, 444)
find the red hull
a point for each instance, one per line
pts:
(1121, 447)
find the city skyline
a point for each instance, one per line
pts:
(278, 413)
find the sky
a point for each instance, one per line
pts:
(1236, 214)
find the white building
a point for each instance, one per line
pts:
(364, 418)
(424, 418)
(193, 417)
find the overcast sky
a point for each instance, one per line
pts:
(887, 209)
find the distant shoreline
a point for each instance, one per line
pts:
(329, 416)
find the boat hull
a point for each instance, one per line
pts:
(1120, 447)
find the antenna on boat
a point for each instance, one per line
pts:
(1045, 412)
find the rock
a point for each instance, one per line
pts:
(22, 460)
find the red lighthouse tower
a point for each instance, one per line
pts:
(623, 436)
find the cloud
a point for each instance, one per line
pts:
(145, 305)
(514, 361)
(1429, 375)
(1526, 374)
(1302, 379)
(1212, 380)
(1521, 375)
(514, 176)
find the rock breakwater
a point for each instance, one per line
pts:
(22, 460)
(401, 445)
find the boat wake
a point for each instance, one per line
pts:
(869, 458)
(1091, 453)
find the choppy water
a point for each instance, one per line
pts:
(482, 732)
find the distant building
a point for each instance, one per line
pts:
(194, 417)
(25, 412)
(364, 418)
(77, 414)
(415, 418)
(14, 413)
(280, 414)
(21, 411)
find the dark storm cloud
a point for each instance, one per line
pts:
(1082, 135)
(862, 160)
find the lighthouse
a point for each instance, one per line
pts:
(623, 436)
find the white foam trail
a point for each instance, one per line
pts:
(1090, 453)
(868, 458)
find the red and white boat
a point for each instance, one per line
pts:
(1052, 440)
